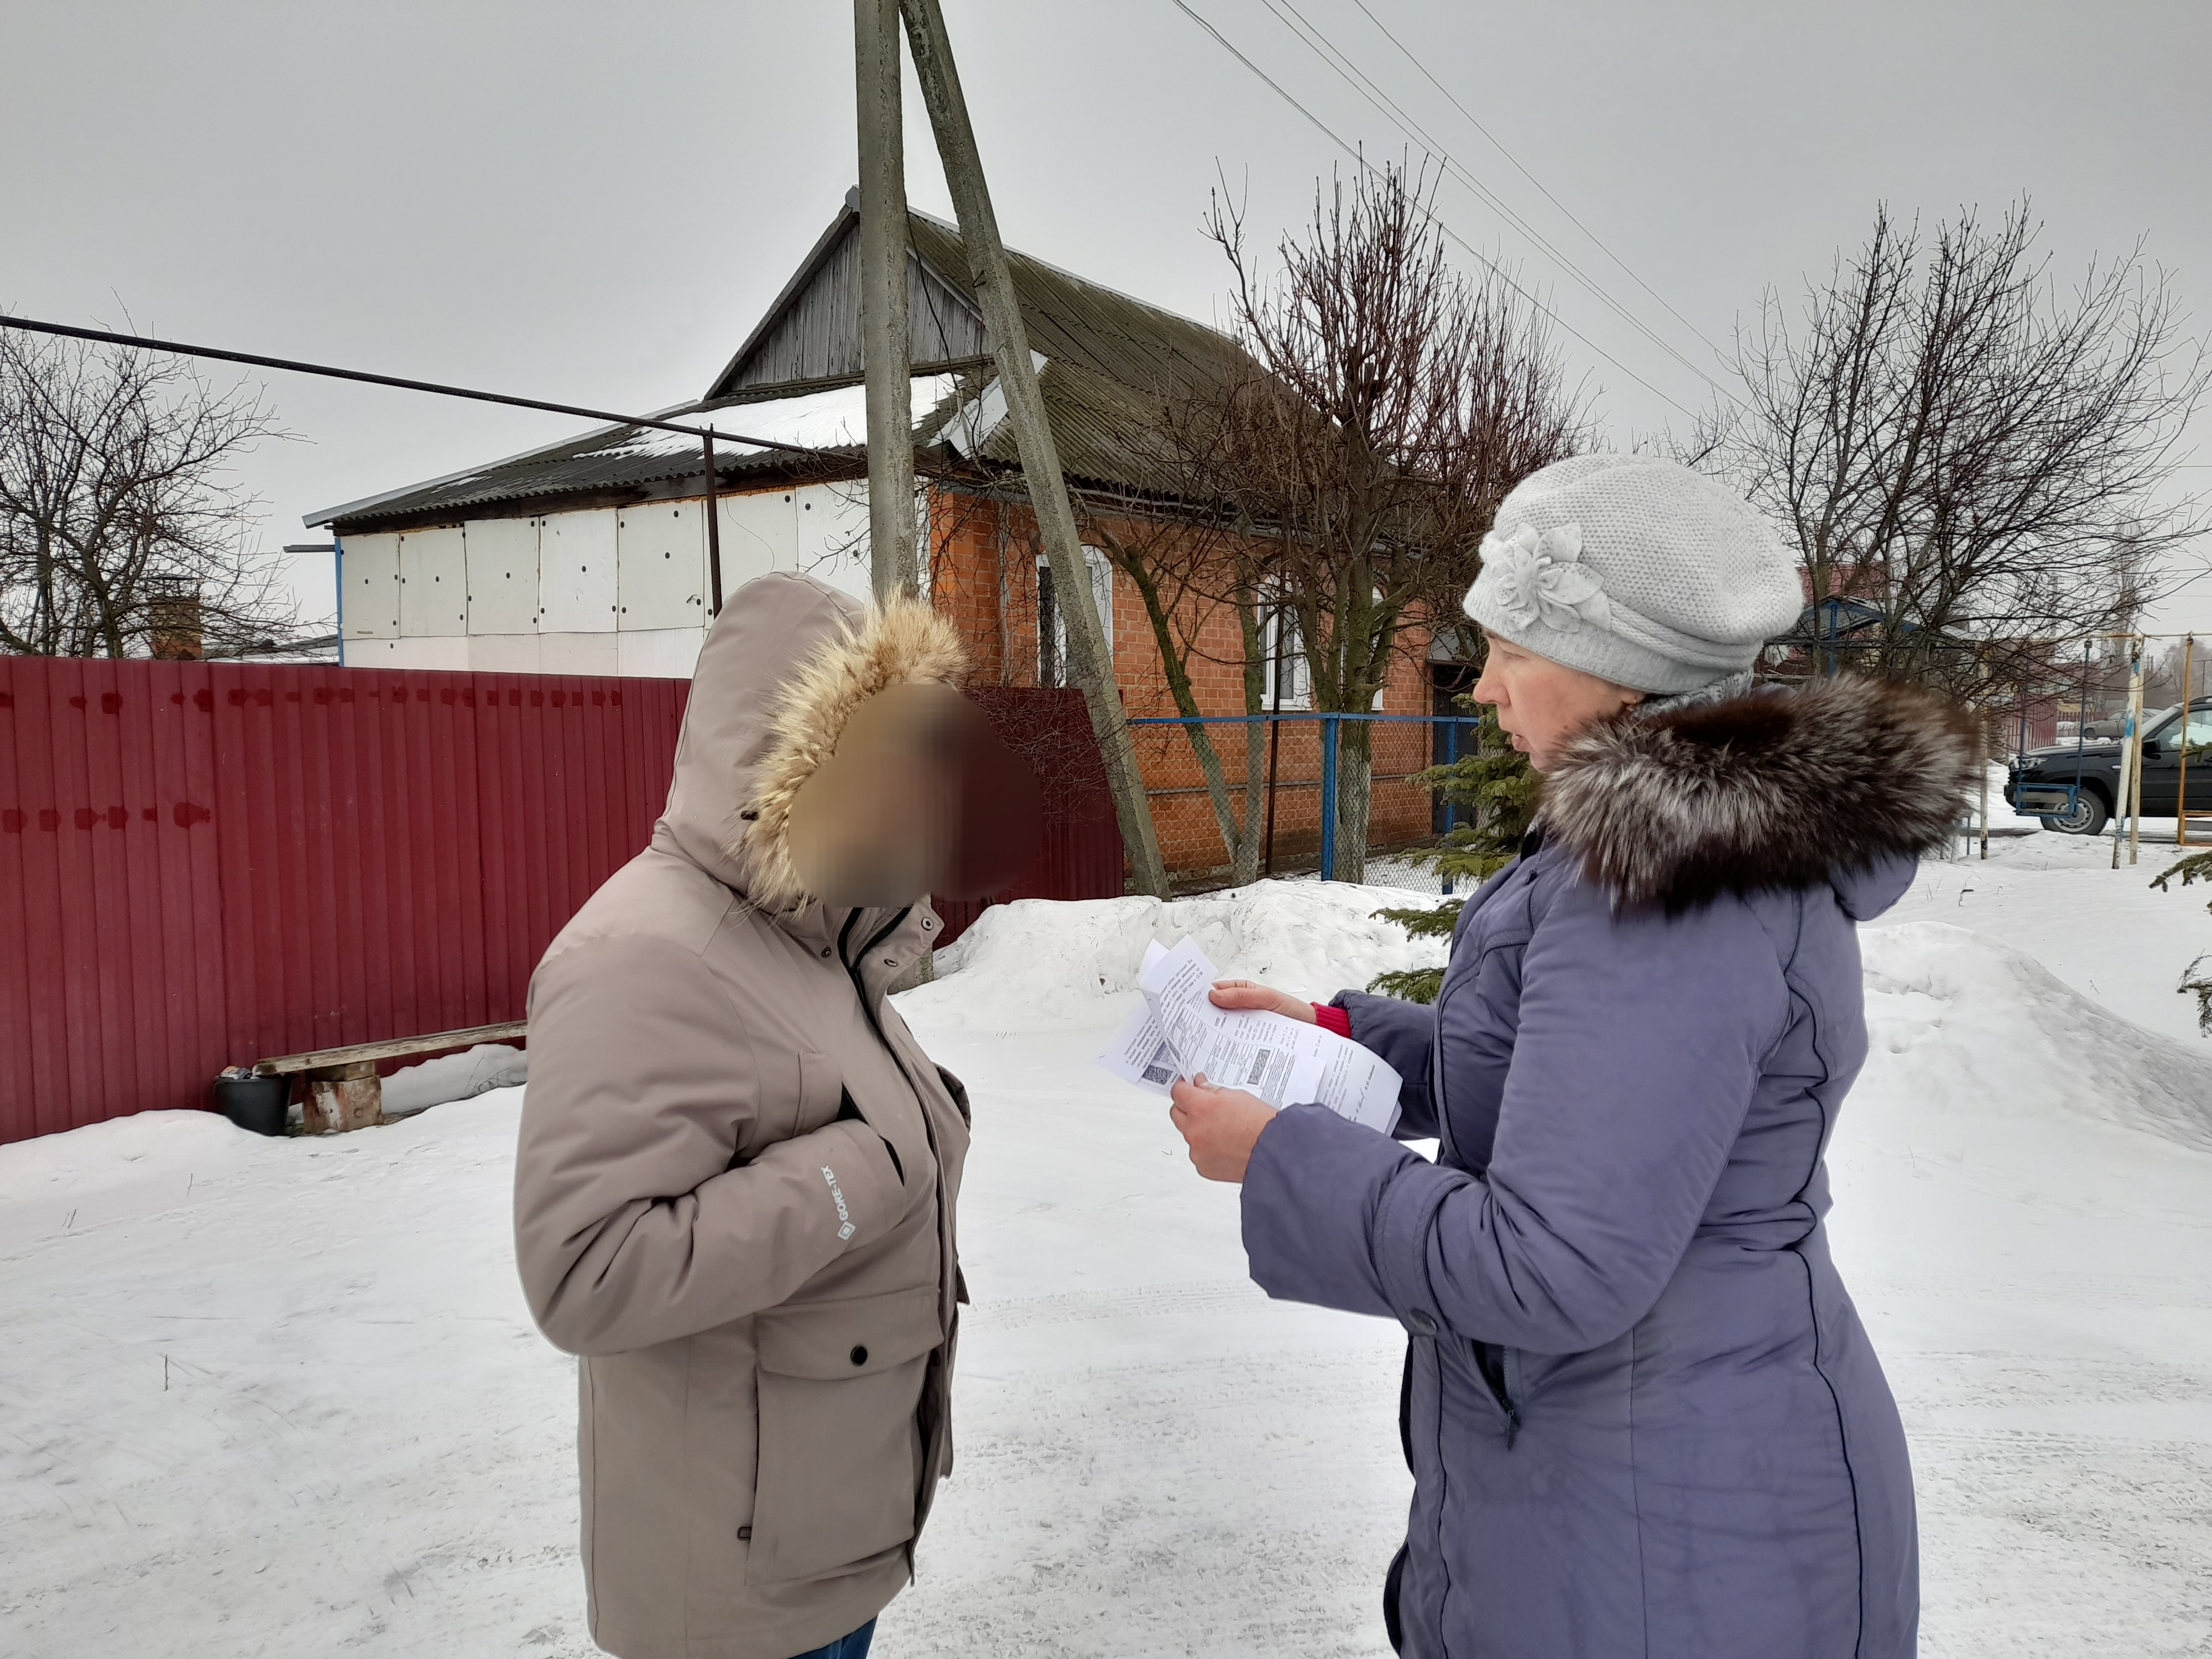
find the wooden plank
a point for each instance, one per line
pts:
(391, 1047)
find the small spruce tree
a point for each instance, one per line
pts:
(1495, 780)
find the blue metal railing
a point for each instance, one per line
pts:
(1329, 725)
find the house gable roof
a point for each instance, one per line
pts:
(813, 328)
(1106, 359)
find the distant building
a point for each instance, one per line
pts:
(590, 556)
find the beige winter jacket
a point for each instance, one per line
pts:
(734, 1191)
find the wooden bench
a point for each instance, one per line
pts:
(344, 1092)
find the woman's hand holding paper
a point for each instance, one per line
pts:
(1221, 1126)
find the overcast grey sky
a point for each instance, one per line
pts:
(593, 203)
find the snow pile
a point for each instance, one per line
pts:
(1983, 1028)
(449, 1077)
(102, 1155)
(1037, 964)
(110, 1171)
(226, 1353)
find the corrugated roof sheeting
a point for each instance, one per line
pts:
(629, 458)
(586, 466)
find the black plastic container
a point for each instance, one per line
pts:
(258, 1103)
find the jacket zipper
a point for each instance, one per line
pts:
(1489, 1357)
(853, 965)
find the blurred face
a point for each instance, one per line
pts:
(1541, 703)
(920, 798)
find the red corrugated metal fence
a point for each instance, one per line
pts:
(202, 864)
(1081, 857)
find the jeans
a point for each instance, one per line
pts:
(854, 1646)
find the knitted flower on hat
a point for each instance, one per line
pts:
(1539, 577)
(1637, 569)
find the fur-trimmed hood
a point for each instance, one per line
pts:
(1774, 789)
(782, 670)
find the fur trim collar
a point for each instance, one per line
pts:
(906, 643)
(1779, 789)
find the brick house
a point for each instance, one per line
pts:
(590, 554)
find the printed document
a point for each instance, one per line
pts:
(1176, 1031)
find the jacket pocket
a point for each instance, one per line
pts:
(786, 1113)
(839, 1465)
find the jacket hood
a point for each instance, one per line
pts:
(781, 670)
(1846, 782)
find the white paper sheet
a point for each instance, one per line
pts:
(1176, 1031)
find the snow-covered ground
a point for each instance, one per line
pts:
(282, 1397)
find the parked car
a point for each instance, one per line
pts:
(2076, 787)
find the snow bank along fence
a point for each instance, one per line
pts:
(203, 865)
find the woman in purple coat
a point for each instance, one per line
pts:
(1641, 1415)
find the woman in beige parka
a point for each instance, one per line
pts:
(735, 1186)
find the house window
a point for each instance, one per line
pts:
(1053, 667)
(1290, 680)
(1290, 676)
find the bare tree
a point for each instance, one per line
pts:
(1976, 460)
(123, 530)
(1187, 568)
(1394, 403)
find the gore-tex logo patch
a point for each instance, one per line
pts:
(837, 1197)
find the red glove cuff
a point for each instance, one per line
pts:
(1333, 1019)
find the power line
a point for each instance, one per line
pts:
(1499, 145)
(1340, 63)
(329, 373)
(1489, 264)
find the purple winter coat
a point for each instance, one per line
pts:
(1641, 1415)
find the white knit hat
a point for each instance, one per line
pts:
(1636, 570)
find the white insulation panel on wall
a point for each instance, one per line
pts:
(502, 570)
(594, 652)
(443, 653)
(505, 653)
(832, 535)
(759, 533)
(576, 574)
(665, 653)
(433, 582)
(819, 531)
(660, 565)
(369, 571)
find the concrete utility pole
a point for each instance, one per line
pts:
(893, 567)
(1018, 380)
